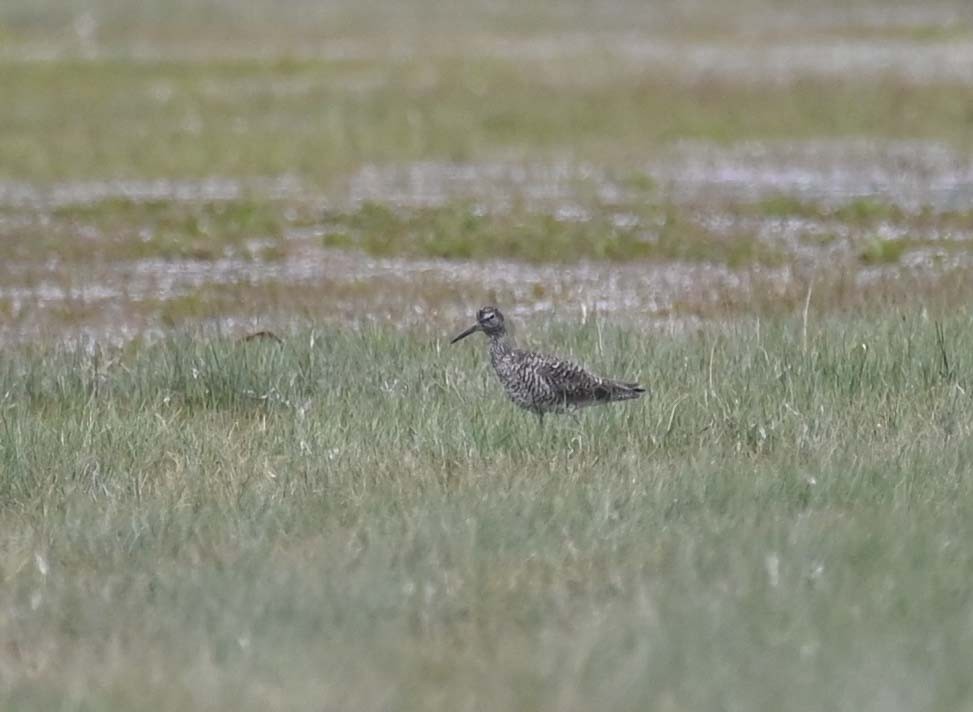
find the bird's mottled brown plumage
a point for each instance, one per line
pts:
(541, 383)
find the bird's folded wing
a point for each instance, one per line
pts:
(569, 381)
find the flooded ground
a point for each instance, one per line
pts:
(800, 192)
(658, 164)
(910, 174)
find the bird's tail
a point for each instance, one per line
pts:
(616, 391)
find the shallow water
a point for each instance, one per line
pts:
(73, 193)
(781, 62)
(910, 174)
(905, 173)
(126, 297)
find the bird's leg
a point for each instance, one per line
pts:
(540, 419)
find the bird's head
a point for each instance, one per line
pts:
(489, 320)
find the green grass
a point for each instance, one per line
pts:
(320, 120)
(462, 231)
(643, 228)
(123, 229)
(858, 212)
(174, 229)
(357, 519)
(118, 229)
(878, 251)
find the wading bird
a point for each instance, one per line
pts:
(540, 383)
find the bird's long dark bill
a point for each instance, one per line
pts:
(475, 327)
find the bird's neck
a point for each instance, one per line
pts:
(499, 346)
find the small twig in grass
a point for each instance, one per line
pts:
(263, 336)
(807, 306)
(945, 370)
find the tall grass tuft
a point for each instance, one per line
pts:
(357, 519)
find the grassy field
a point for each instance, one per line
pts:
(764, 216)
(359, 520)
(320, 119)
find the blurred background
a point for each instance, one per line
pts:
(251, 165)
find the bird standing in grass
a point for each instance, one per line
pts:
(543, 384)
